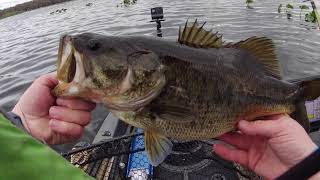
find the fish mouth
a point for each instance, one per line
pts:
(70, 69)
(75, 80)
(70, 62)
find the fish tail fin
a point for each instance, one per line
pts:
(158, 147)
(300, 115)
(310, 89)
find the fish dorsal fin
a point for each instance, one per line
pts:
(196, 36)
(264, 50)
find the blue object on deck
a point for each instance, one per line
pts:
(138, 164)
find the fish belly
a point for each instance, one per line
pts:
(217, 122)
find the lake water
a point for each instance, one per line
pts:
(29, 41)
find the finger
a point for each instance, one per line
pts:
(238, 140)
(77, 104)
(69, 115)
(67, 129)
(58, 138)
(271, 117)
(231, 154)
(276, 116)
(49, 80)
(66, 139)
(265, 128)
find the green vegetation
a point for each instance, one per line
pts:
(127, 3)
(28, 6)
(279, 8)
(249, 2)
(303, 7)
(288, 11)
(11, 14)
(289, 6)
(311, 17)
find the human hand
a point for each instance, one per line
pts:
(268, 147)
(54, 120)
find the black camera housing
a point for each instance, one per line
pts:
(157, 13)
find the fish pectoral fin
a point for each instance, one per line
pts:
(264, 50)
(158, 147)
(196, 36)
(173, 113)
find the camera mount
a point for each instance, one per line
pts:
(157, 16)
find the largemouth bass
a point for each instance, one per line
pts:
(194, 89)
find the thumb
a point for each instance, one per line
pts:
(48, 80)
(266, 128)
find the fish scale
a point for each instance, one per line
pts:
(194, 89)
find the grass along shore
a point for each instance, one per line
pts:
(28, 6)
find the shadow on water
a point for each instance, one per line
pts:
(29, 41)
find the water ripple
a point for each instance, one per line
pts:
(29, 41)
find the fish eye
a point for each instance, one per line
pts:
(93, 44)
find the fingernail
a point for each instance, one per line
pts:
(53, 112)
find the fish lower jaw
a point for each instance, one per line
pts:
(73, 90)
(66, 89)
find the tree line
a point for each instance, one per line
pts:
(28, 6)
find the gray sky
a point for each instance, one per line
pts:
(8, 3)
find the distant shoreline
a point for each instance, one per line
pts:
(28, 6)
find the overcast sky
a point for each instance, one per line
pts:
(8, 3)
